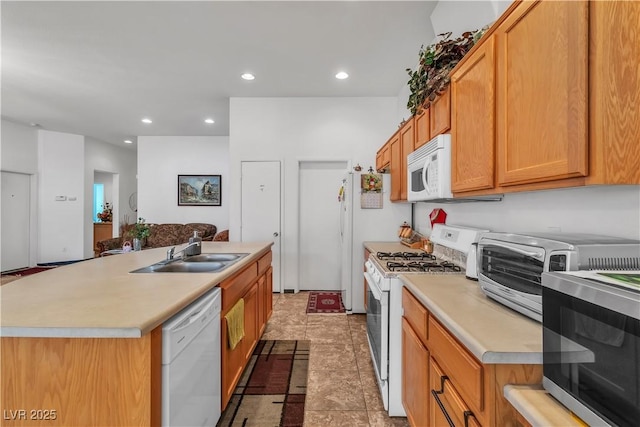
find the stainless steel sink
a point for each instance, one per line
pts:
(203, 263)
(214, 257)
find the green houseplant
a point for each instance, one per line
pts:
(139, 232)
(431, 76)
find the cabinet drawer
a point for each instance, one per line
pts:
(446, 403)
(234, 288)
(464, 371)
(416, 315)
(264, 262)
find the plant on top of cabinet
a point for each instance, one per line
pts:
(435, 61)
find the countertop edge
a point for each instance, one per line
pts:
(538, 407)
(481, 353)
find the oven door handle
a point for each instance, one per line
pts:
(539, 255)
(377, 294)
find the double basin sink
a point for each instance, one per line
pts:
(202, 263)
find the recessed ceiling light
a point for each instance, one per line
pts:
(147, 120)
(209, 121)
(248, 76)
(128, 141)
(342, 75)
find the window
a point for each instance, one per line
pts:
(98, 200)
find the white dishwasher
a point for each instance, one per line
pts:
(191, 390)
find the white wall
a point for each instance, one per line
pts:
(162, 158)
(60, 173)
(460, 16)
(19, 153)
(607, 210)
(117, 165)
(293, 129)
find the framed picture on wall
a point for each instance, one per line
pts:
(199, 190)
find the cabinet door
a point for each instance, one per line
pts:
(396, 154)
(614, 156)
(262, 304)
(440, 120)
(542, 53)
(250, 321)
(415, 377)
(472, 121)
(407, 138)
(423, 128)
(269, 293)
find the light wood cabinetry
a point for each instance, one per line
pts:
(556, 76)
(396, 167)
(101, 231)
(415, 377)
(440, 117)
(472, 121)
(442, 380)
(83, 381)
(383, 157)
(423, 127)
(253, 285)
(614, 87)
(407, 138)
(542, 92)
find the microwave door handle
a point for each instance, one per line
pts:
(531, 254)
(425, 177)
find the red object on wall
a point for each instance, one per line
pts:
(437, 216)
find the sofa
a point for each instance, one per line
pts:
(160, 235)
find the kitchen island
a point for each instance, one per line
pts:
(82, 343)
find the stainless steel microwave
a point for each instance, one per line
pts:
(510, 265)
(591, 344)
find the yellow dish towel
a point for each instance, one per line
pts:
(235, 324)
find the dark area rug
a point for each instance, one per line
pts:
(325, 302)
(273, 387)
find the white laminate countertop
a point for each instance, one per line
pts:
(100, 298)
(493, 333)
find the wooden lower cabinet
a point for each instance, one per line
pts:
(253, 284)
(415, 394)
(441, 378)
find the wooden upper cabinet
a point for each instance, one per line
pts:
(472, 121)
(542, 57)
(407, 139)
(396, 154)
(614, 92)
(383, 157)
(440, 120)
(423, 127)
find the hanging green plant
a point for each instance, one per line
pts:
(431, 77)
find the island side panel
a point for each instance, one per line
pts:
(82, 381)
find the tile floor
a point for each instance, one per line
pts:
(341, 388)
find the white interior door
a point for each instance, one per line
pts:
(15, 220)
(320, 246)
(261, 209)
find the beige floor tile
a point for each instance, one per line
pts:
(328, 335)
(284, 333)
(381, 419)
(334, 391)
(329, 320)
(336, 419)
(334, 356)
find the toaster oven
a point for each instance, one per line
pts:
(510, 265)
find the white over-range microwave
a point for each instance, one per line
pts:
(429, 170)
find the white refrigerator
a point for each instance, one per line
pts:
(359, 225)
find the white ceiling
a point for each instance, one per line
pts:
(96, 68)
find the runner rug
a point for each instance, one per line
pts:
(273, 387)
(325, 302)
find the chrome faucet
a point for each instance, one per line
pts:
(171, 252)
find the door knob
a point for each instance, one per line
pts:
(276, 234)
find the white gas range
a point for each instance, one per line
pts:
(384, 301)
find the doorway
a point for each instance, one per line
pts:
(16, 216)
(260, 209)
(320, 244)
